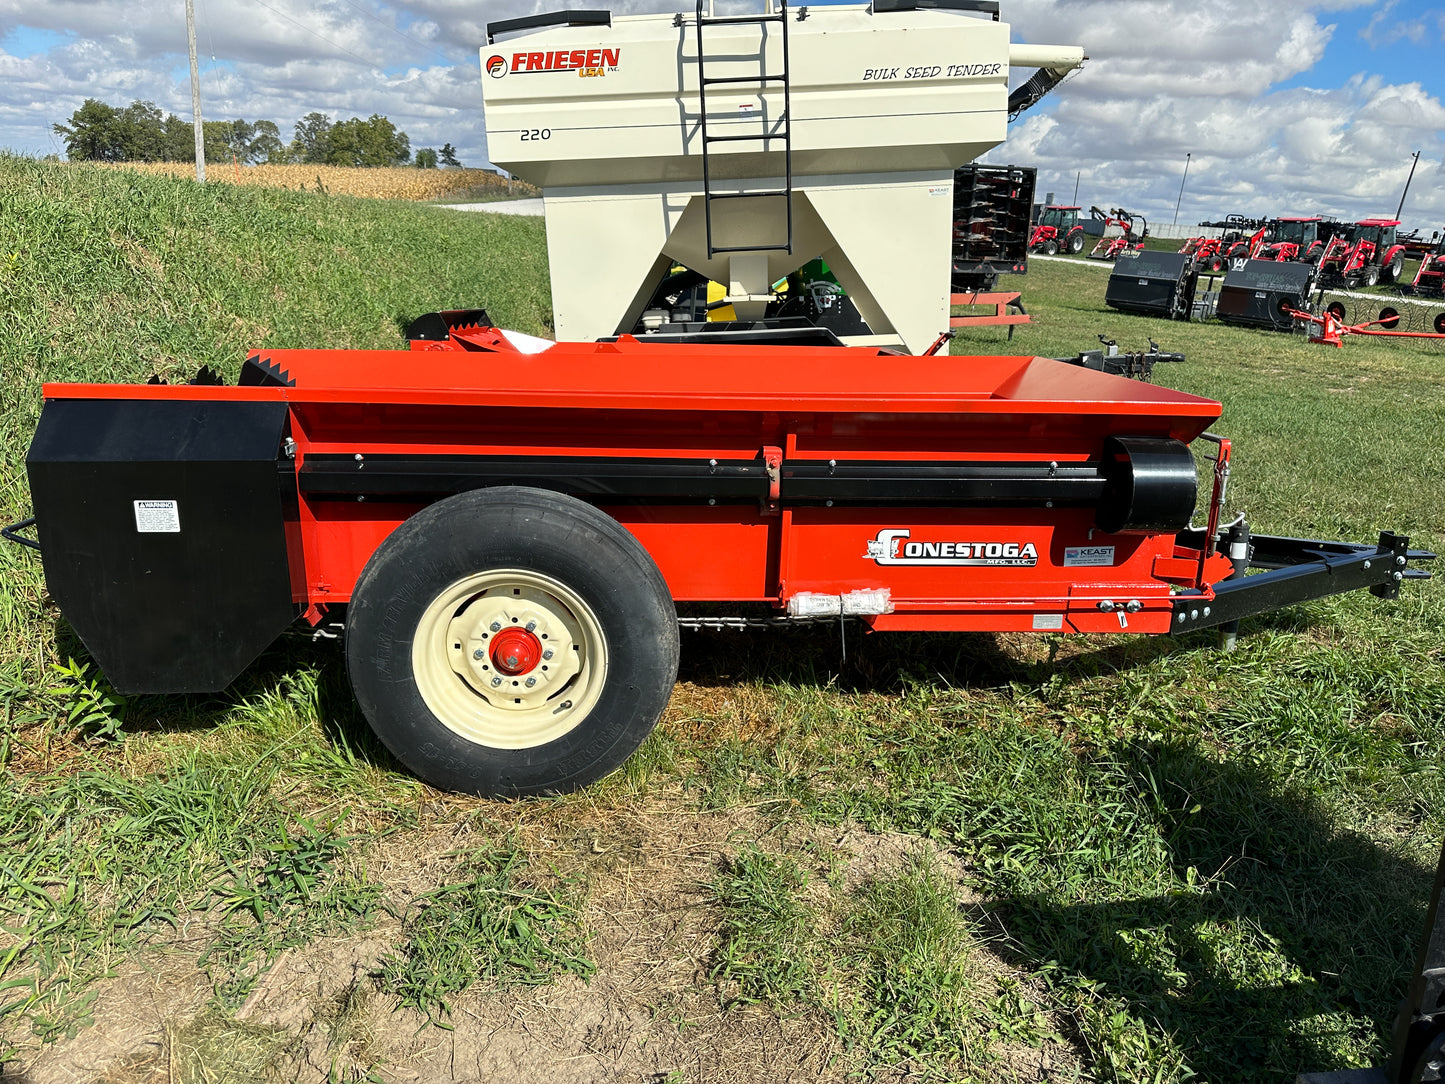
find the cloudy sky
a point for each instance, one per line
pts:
(1284, 106)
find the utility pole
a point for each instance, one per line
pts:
(1408, 179)
(196, 94)
(1177, 202)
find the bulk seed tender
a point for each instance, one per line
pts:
(742, 146)
(512, 530)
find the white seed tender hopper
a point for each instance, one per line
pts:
(743, 146)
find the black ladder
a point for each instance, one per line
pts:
(782, 132)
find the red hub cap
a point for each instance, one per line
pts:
(515, 651)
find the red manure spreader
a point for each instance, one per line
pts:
(512, 532)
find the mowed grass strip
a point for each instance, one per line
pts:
(395, 182)
(1210, 867)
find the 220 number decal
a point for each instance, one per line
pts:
(536, 133)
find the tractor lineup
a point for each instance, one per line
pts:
(1345, 254)
(1270, 269)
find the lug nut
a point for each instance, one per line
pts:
(496, 681)
(531, 681)
(479, 654)
(496, 626)
(547, 654)
(530, 625)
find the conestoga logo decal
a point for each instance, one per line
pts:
(892, 547)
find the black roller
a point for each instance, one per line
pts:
(1151, 485)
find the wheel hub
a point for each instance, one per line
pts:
(516, 651)
(515, 647)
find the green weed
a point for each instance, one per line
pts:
(89, 704)
(911, 951)
(502, 925)
(766, 946)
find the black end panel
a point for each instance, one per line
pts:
(1260, 293)
(163, 535)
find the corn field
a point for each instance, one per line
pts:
(400, 182)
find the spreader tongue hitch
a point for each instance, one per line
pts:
(1297, 570)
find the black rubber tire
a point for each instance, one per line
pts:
(512, 527)
(1389, 318)
(1076, 242)
(1216, 263)
(1371, 277)
(1051, 248)
(1439, 324)
(1391, 271)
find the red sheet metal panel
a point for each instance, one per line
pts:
(944, 567)
(633, 375)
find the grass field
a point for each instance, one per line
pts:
(949, 857)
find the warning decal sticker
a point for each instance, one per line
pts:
(157, 517)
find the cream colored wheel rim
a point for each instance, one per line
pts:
(554, 645)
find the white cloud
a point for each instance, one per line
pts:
(1165, 80)
(1235, 83)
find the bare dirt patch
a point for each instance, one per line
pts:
(649, 1013)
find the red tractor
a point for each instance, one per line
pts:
(1205, 251)
(1240, 247)
(1294, 240)
(1430, 278)
(1363, 254)
(1108, 248)
(1058, 230)
(1213, 253)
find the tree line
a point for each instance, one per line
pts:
(139, 132)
